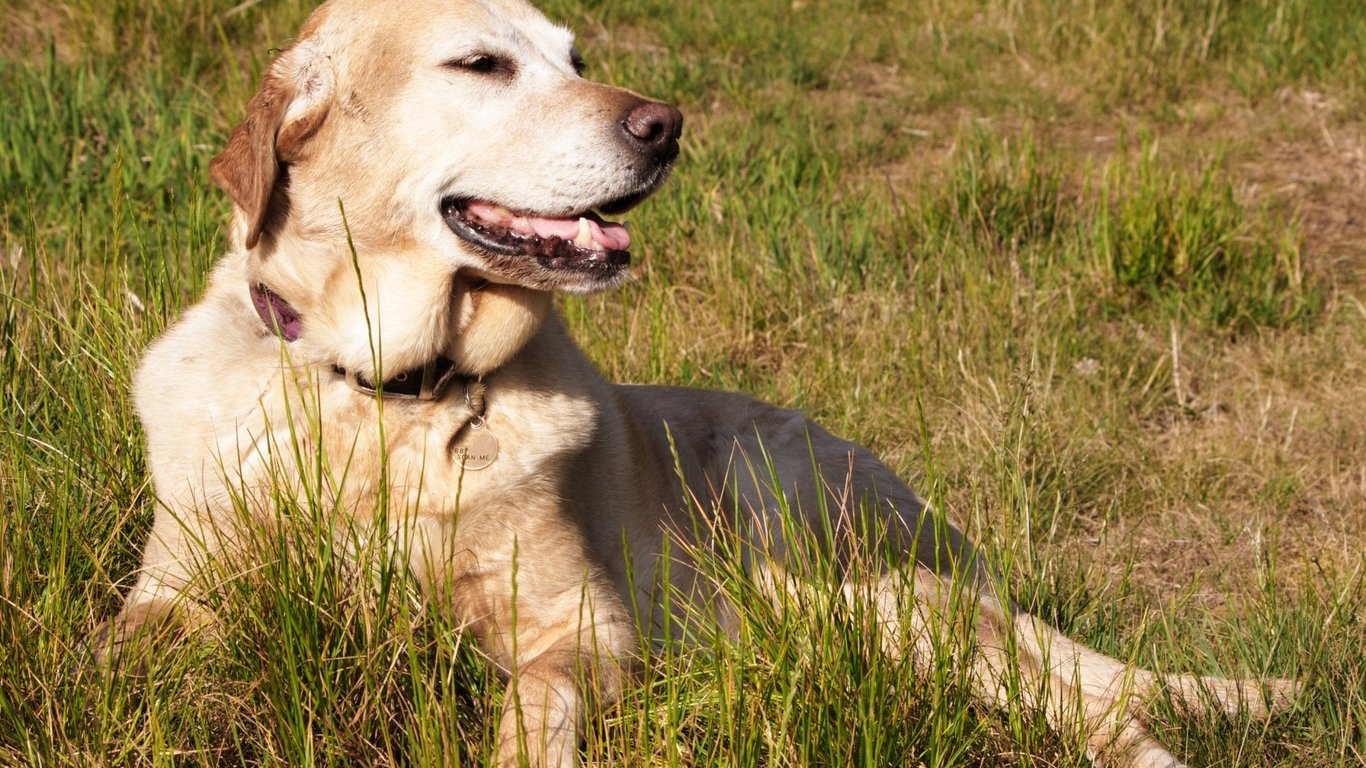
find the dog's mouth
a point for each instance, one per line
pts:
(580, 246)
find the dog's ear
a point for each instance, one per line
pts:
(287, 110)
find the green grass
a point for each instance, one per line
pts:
(1048, 257)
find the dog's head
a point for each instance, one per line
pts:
(451, 143)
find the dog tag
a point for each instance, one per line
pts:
(480, 449)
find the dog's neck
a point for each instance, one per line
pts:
(394, 310)
(428, 382)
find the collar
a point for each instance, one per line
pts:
(428, 382)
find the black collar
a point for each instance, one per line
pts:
(426, 383)
(429, 382)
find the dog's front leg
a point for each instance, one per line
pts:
(159, 604)
(550, 619)
(544, 710)
(563, 664)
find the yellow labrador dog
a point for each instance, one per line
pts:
(412, 183)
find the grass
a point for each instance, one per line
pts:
(1088, 274)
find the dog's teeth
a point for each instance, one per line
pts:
(585, 236)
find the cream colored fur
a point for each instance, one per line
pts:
(360, 129)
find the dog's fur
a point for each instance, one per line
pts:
(379, 112)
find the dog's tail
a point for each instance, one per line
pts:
(1013, 655)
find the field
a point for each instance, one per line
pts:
(1090, 275)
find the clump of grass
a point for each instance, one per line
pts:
(1154, 237)
(1280, 41)
(1001, 195)
(339, 663)
(1185, 243)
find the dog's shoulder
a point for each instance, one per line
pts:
(208, 369)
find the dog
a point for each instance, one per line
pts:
(411, 185)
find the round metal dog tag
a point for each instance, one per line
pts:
(479, 450)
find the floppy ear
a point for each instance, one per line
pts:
(289, 108)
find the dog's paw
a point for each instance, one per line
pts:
(131, 637)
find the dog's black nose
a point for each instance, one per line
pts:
(653, 127)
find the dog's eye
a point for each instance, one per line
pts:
(482, 63)
(576, 61)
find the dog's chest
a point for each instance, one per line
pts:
(363, 454)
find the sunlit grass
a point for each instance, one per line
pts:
(1130, 373)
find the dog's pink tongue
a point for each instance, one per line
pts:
(583, 230)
